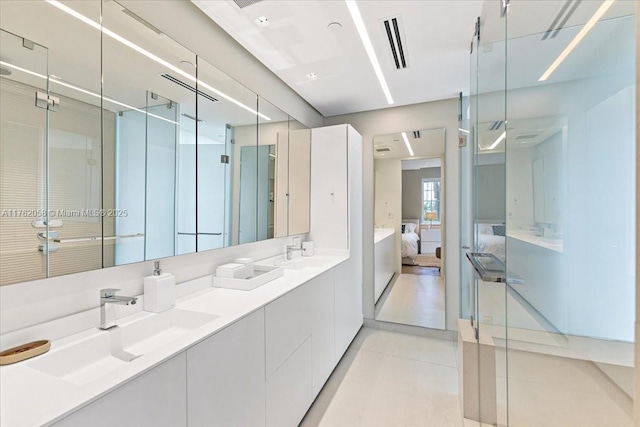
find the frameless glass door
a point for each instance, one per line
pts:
(23, 159)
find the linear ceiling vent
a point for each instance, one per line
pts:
(244, 3)
(527, 136)
(395, 34)
(496, 125)
(561, 19)
(417, 134)
(382, 149)
(142, 21)
(188, 86)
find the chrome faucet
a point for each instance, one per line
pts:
(108, 299)
(290, 250)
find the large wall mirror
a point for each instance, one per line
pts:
(409, 237)
(120, 145)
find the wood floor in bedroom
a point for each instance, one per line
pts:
(416, 297)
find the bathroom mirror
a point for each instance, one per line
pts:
(299, 178)
(137, 149)
(409, 204)
(535, 199)
(227, 120)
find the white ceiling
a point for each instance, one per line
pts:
(437, 36)
(420, 164)
(426, 143)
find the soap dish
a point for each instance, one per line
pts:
(24, 352)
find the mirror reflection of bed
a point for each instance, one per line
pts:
(409, 219)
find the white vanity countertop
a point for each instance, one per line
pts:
(382, 233)
(538, 241)
(29, 397)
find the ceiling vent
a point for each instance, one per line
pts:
(142, 21)
(527, 136)
(496, 125)
(188, 86)
(382, 149)
(561, 19)
(395, 34)
(417, 134)
(245, 3)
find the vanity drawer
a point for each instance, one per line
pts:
(287, 326)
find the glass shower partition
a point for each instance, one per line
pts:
(553, 197)
(570, 194)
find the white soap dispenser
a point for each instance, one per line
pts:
(159, 291)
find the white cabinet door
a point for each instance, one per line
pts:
(329, 188)
(287, 326)
(225, 376)
(322, 328)
(157, 398)
(289, 390)
(348, 298)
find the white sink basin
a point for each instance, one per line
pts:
(144, 335)
(92, 357)
(84, 360)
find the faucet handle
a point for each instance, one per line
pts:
(108, 292)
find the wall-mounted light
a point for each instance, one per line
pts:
(368, 46)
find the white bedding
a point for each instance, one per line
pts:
(491, 244)
(410, 245)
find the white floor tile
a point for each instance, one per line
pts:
(392, 379)
(407, 346)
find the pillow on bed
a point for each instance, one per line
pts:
(409, 227)
(484, 228)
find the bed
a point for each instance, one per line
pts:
(491, 238)
(410, 241)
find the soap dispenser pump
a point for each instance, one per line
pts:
(159, 290)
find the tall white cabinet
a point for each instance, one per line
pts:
(336, 219)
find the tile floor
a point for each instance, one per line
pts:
(415, 299)
(393, 379)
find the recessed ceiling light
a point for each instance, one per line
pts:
(186, 64)
(312, 76)
(263, 21)
(406, 142)
(578, 38)
(334, 26)
(368, 46)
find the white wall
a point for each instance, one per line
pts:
(189, 26)
(427, 115)
(388, 201)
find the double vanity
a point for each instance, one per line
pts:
(220, 357)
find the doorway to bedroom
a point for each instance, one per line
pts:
(409, 217)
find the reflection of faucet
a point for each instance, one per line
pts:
(291, 249)
(108, 299)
